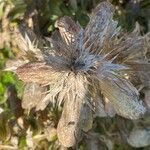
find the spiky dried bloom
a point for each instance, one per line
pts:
(81, 65)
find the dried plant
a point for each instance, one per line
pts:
(85, 70)
(139, 137)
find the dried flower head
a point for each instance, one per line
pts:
(84, 66)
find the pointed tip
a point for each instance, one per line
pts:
(104, 6)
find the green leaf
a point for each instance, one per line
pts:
(22, 143)
(8, 78)
(1, 88)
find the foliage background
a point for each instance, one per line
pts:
(46, 12)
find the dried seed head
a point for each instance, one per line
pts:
(77, 60)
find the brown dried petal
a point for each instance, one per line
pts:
(60, 48)
(68, 29)
(68, 128)
(33, 93)
(99, 26)
(37, 72)
(123, 95)
(131, 49)
(12, 65)
(74, 116)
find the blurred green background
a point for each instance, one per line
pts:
(46, 12)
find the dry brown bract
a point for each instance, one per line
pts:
(81, 64)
